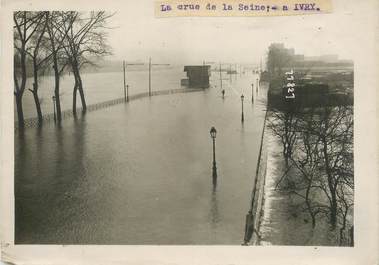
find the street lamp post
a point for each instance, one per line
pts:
(242, 116)
(252, 92)
(213, 133)
(256, 88)
(55, 117)
(230, 72)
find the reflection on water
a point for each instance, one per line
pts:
(139, 173)
(214, 208)
(214, 183)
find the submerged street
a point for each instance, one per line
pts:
(141, 172)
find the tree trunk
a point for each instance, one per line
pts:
(56, 70)
(58, 105)
(81, 92)
(74, 96)
(35, 90)
(56, 90)
(23, 70)
(38, 105)
(342, 237)
(313, 221)
(80, 87)
(20, 113)
(333, 211)
(308, 203)
(331, 185)
(20, 92)
(351, 235)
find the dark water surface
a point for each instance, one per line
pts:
(140, 173)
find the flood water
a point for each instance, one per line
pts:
(140, 173)
(100, 87)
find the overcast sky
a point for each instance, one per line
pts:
(138, 35)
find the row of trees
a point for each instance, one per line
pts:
(61, 41)
(317, 147)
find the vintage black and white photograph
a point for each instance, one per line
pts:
(134, 130)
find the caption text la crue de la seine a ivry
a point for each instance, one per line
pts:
(243, 7)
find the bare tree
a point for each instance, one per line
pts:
(305, 159)
(345, 195)
(62, 39)
(322, 159)
(55, 23)
(25, 26)
(38, 59)
(284, 125)
(306, 188)
(84, 42)
(335, 129)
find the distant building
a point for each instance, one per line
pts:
(198, 75)
(184, 82)
(298, 57)
(329, 58)
(279, 46)
(291, 51)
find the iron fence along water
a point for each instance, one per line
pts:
(66, 114)
(253, 218)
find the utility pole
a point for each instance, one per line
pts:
(124, 66)
(126, 87)
(149, 76)
(150, 65)
(242, 114)
(220, 76)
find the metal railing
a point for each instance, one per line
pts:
(253, 217)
